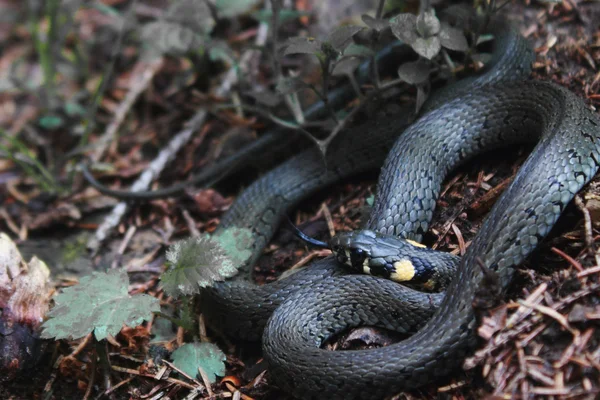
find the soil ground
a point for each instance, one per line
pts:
(542, 341)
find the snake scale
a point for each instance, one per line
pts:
(496, 109)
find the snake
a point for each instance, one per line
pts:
(294, 316)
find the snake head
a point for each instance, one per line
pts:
(381, 255)
(356, 249)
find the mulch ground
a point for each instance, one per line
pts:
(542, 341)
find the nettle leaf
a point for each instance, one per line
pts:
(341, 37)
(205, 355)
(404, 27)
(195, 263)
(291, 85)
(100, 303)
(453, 39)
(428, 24)
(233, 8)
(192, 14)
(375, 24)
(301, 45)
(427, 47)
(237, 244)
(198, 262)
(414, 73)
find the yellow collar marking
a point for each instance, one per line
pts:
(416, 244)
(405, 271)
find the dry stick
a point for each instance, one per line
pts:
(167, 154)
(198, 384)
(190, 223)
(206, 381)
(574, 263)
(327, 214)
(309, 257)
(53, 375)
(138, 84)
(589, 232)
(88, 390)
(503, 338)
(115, 387)
(167, 379)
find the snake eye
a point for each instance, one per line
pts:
(357, 258)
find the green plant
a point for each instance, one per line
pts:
(15, 150)
(340, 54)
(63, 60)
(199, 262)
(99, 304)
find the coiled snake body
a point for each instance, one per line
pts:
(313, 304)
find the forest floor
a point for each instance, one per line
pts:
(543, 341)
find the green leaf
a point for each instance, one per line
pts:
(346, 66)
(453, 39)
(199, 262)
(233, 8)
(404, 27)
(341, 37)
(370, 200)
(414, 73)
(51, 122)
(205, 355)
(427, 47)
(428, 24)
(192, 14)
(100, 303)
(220, 51)
(166, 37)
(302, 45)
(358, 50)
(237, 244)
(484, 38)
(195, 263)
(75, 109)
(375, 24)
(183, 29)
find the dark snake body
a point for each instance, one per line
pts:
(321, 300)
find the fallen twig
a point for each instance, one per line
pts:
(167, 154)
